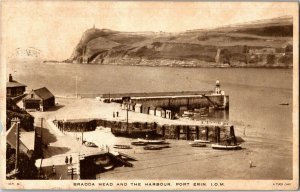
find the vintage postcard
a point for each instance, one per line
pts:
(133, 95)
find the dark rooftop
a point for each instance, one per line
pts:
(13, 83)
(43, 93)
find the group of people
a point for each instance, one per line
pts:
(115, 114)
(68, 160)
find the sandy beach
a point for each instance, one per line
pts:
(269, 156)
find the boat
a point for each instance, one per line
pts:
(226, 147)
(151, 147)
(139, 143)
(284, 104)
(89, 144)
(159, 141)
(122, 146)
(196, 144)
(201, 141)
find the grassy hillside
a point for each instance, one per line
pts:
(265, 43)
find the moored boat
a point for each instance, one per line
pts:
(201, 141)
(226, 147)
(139, 143)
(122, 146)
(284, 104)
(150, 147)
(159, 141)
(196, 144)
(89, 144)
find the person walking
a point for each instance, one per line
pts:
(66, 160)
(71, 159)
(250, 163)
(117, 113)
(113, 114)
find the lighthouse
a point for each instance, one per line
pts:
(217, 88)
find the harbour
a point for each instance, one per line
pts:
(114, 120)
(69, 108)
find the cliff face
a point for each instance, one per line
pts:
(266, 43)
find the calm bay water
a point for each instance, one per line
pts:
(255, 94)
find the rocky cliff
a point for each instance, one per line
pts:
(265, 43)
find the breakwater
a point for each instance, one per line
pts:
(215, 132)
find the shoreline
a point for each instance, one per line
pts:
(182, 66)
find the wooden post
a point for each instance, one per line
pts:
(17, 144)
(197, 132)
(72, 173)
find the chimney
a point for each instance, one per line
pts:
(10, 79)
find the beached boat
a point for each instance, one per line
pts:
(150, 147)
(284, 104)
(196, 144)
(226, 147)
(201, 141)
(89, 144)
(139, 143)
(148, 141)
(122, 146)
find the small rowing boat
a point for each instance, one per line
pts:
(201, 141)
(159, 141)
(139, 143)
(226, 147)
(122, 146)
(150, 147)
(284, 104)
(90, 144)
(196, 144)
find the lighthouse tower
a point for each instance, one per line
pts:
(217, 88)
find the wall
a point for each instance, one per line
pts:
(141, 129)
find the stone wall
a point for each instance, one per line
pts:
(141, 129)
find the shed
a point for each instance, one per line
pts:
(169, 114)
(158, 112)
(145, 109)
(39, 99)
(131, 106)
(138, 108)
(152, 110)
(163, 113)
(14, 88)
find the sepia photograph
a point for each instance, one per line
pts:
(133, 95)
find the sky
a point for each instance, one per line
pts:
(56, 27)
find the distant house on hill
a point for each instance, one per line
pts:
(14, 88)
(39, 99)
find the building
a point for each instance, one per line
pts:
(14, 88)
(138, 108)
(158, 112)
(152, 110)
(39, 99)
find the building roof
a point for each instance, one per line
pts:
(43, 93)
(26, 139)
(14, 83)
